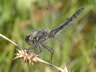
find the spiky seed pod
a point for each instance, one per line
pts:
(23, 55)
(32, 58)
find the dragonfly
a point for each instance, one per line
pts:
(38, 37)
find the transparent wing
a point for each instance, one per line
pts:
(52, 15)
(35, 49)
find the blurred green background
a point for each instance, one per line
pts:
(74, 47)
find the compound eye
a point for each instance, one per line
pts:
(28, 38)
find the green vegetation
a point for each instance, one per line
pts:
(75, 46)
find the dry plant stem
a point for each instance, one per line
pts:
(4, 37)
(58, 68)
(38, 59)
(32, 58)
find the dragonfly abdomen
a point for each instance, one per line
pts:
(56, 30)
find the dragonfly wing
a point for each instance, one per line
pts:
(51, 16)
(35, 49)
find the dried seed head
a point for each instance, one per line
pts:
(23, 55)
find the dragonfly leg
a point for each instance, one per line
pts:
(38, 46)
(39, 49)
(50, 50)
(31, 48)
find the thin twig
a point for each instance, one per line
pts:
(56, 67)
(6, 38)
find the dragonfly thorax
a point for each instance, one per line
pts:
(37, 37)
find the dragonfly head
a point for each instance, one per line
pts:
(29, 39)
